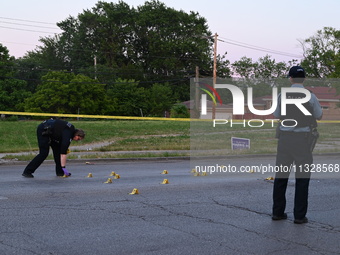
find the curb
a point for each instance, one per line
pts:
(81, 160)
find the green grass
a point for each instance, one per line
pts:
(16, 136)
(20, 136)
(262, 140)
(172, 142)
(135, 135)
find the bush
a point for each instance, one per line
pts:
(9, 118)
(179, 111)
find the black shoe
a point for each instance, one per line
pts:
(301, 221)
(28, 175)
(281, 217)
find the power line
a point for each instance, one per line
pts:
(28, 30)
(258, 48)
(27, 25)
(28, 44)
(226, 40)
(41, 22)
(20, 24)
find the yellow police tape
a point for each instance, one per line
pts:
(91, 116)
(127, 117)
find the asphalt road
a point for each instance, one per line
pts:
(215, 214)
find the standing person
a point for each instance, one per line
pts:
(294, 148)
(58, 134)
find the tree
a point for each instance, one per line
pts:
(244, 68)
(170, 42)
(151, 43)
(223, 66)
(63, 92)
(30, 69)
(268, 68)
(264, 68)
(12, 91)
(262, 75)
(127, 98)
(179, 111)
(322, 53)
(159, 99)
(336, 63)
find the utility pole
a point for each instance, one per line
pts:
(95, 67)
(197, 98)
(214, 74)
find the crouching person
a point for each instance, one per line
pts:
(58, 134)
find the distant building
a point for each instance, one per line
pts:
(329, 101)
(224, 111)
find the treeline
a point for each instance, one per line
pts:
(119, 60)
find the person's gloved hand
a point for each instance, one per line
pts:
(67, 173)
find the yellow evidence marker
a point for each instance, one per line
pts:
(134, 192)
(109, 180)
(165, 181)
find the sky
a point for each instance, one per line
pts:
(274, 28)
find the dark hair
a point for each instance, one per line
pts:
(79, 132)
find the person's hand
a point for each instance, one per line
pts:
(67, 173)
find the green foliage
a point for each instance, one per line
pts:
(169, 41)
(12, 91)
(261, 75)
(154, 38)
(179, 111)
(144, 59)
(10, 118)
(29, 69)
(62, 92)
(265, 68)
(244, 67)
(127, 98)
(151, 43)
(322, 53)
(159, 99)
(223, 66)
(12, 94)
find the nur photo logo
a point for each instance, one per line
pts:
(240, 102)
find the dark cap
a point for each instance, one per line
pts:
(297, 72)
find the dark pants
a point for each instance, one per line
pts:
(44, 146)
(292, 149)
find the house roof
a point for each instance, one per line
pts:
(325, 93)
(322, 93)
